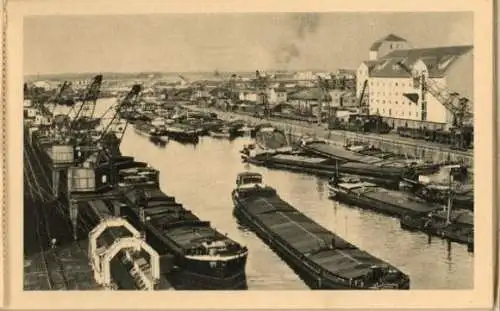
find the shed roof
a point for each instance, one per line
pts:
(438, 60)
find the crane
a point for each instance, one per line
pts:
(109, 140)
(112, 135)
(55, 98)
(89, 99)
(363, 104)
(459, 107)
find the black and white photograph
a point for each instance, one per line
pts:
(249, 151)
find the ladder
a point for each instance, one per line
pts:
(139, 272)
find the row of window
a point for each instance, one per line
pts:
(383, 93)
(376, 101)
(389, 111)
(390, 83)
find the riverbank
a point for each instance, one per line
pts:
(389, 143)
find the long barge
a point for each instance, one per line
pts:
(323, 259)
(370, 196)
(299, 162)
(205, 258)
(323, 149)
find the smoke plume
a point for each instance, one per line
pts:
(302, 26)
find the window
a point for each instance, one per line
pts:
(383, 102)
(383, 110)
(396, 102)
(409, 113)
(396, 84)
(402, 113)
(390, 112)
(416, 114)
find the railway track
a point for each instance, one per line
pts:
(51, 263)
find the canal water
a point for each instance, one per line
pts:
(202, 177)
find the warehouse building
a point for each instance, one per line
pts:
(389, 87)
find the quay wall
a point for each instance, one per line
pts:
(416, 149)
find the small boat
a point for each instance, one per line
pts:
(223, 132)
(323, 259)
(155, 134)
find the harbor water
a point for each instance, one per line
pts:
(202, 177)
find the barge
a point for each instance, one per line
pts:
(323, 149)
(298, 162)
(182, 133)
(204, 257)
(368, 195)
(323, 259)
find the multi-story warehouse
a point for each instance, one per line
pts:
(391, 87)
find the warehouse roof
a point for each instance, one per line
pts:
(438, 60)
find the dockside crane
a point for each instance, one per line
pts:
(461, 125)
(56, 97)
(112, 135)
(459, 107)
(108, 142)
(89, 99)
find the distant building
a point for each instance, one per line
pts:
(305, 79)
(308, 101)
(393, 93)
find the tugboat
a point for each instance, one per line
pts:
(155, 134)
(323, 259)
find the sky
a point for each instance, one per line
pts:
(226, 42)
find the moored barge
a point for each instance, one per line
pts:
(205, 258)
(182, 133)
(321, 258)
(295, 161)
(456, 225)
(368, 195)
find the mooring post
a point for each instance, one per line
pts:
(73, 215)
(55, 182)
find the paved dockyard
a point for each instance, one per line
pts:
(62, 268)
